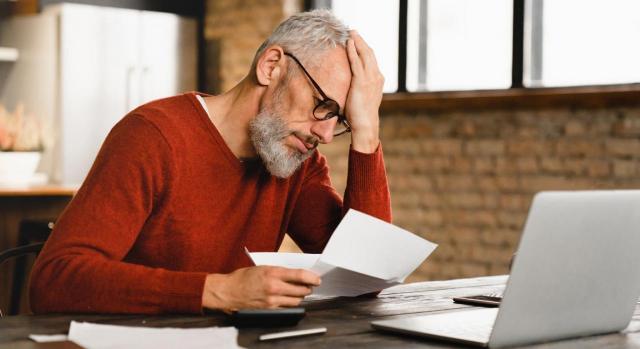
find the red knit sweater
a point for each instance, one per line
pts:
(167, 202)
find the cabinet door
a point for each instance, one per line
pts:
(168, 55)
(98, 72)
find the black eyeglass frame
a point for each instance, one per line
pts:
(326, 102)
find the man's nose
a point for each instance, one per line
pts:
(324, 130)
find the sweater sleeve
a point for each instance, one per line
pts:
(319, 208)
(82, 268)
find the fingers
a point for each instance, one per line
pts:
(365, 53)
(298, 276)
(354, 60)
(282, 301)
(288, 289)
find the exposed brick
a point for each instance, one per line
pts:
(580, 147)
(419, 183)
(511, 219)
(500, 237)
(575, 128)
(485, 147)
(534, 184)
(465, 200)
(474, 269)
(461, 165)
(498, 268)
(484, 165)
(625, 168)
(437, 164)
(528, 147)
(490, 254)
(466, 128)
(407, 200)
(601, 128)
(598, 168)
(623, 147)
(574, 167)
(551, 165)
(466, 235)
(446, 147)
(432, 218)
(514, 202)
(526, 165)
(508, 183)
(454, 182)
(471, 218)
(628, 127)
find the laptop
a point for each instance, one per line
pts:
(576, 274)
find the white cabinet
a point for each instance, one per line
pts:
(107, 62)
(113, 60)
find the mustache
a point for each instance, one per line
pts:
(307, 139)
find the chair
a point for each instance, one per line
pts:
(29, 232)
(18, 252)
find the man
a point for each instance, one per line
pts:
(182, 185)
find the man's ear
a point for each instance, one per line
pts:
(269, 65)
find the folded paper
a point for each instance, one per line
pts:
(364, 255)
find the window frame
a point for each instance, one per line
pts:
(517, 95)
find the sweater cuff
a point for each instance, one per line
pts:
(182, 292)
(365, 170)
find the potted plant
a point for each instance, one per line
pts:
(21, 145)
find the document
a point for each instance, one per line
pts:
(99, 336)
(364, 255)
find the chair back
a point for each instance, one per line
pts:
(19, 251)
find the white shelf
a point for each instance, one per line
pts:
(8, 54)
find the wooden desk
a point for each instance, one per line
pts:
(39, 191)
(347, 320)
(18, 203)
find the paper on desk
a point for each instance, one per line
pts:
(364, 255)
(46, 338)
(98, 336)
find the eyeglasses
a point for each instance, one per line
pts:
(326, 108)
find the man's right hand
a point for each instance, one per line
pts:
(258, 287)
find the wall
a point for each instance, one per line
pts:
(465, 180)
(236, 28)
(462, 179)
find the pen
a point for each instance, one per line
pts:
(289, 334)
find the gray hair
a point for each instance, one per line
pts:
(307, 35)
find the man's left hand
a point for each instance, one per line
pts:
(365, 95)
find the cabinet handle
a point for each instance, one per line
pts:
(143, 85)
(129, 88)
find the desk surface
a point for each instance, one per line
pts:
(347, 320)
(39, 190)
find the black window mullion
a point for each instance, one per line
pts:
(402, 46)
(517, 57)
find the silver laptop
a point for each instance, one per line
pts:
(576, 274)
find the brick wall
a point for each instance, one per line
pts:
(465, 180)
(237, 28)
(461, 179)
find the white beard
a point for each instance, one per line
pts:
(267, 131)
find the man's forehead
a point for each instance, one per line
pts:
(333, 74)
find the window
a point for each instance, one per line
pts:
(582, 42)
(459, 44)
(497, 44)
